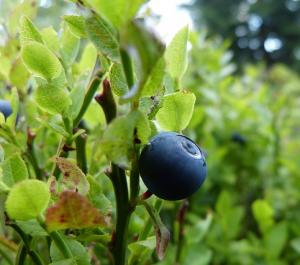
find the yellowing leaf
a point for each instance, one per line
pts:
(73, 210)
(73, 177)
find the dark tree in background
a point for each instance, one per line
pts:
(258, 29)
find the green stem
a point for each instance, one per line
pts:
(57, 239)
(134, 179)
(146, 231)
(33, 161)
(119, 241)
(35, 257)
(119, 182)
(61, 245)
(134, 175)
(21, 255)
(127, 68)
(30, 154)
(80, 152)
(148, 225)
(153, 220)
(92, 88)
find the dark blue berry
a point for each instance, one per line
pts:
(5, 108)
(172, 166)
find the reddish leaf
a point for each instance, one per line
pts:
(162, 240)
(73, 210)
(73, 178)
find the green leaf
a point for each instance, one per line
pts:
(32, 228)
(73, 177)
(229, 216)
(295, 243)
(146, 49)
(141, 250)
(196, 233)
(275, 240)
(76, 25)
(50, 38)
(79, 252)
(176, 54)
(103, 38)
(176, 111)
(70, 44)
(2, 152)
(27, 199)
(65, 262)
(14, 170)
(155, 80)
(45, 97)
(19, 75)
(117, 79)
(40, 60)
(88, 58)
(118, 12)
(77, 97)
(120, 135)
(97, 197)
(55, 123)
(2, 118)
(5, 67)
(263, 214)
(28, 31)
(73, 210)
(197, 255)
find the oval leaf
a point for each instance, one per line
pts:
(14, 170)
(40, 60)
(28, 31)
(103, 38)
(118, 139)
(27, 199)
(76, 25)
(176, 54)
(176, 111)
(73, 178)
(52, 99)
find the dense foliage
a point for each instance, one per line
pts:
(69, 177)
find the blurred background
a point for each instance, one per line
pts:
(244, 63)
